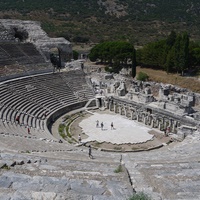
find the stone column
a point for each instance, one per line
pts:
(144, 120)
(120, 109)
(152, 123)
(97, 103)
(106, 104)
(170, 123)
(115, 108)
(147, 120)
(110, 106)
(125, 111)
(163, 120)
(100, 84)
(131, 114)
(137, 117)
(157, 122)
(165, 124)
(174, 126)
(159, 126)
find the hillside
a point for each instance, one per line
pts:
(138, 21)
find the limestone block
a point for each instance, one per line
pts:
(43, 195)
(5, 182)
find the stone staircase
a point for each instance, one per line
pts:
(31, 176)
(169, 173)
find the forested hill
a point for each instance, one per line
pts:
(138, 21)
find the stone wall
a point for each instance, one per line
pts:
(58, 113)
(150, 116)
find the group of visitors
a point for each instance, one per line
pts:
(102, 125)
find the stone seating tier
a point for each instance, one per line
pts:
(32, 97)
(20, 54)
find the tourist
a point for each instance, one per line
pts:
(17, 119)
(79, 138)
(29, 131)
(44, 115)
(112, 127)
(90, 152)
(97, 124)
(102, 125)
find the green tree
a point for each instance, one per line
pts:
(116, 54)
(169, 64)
(75, 55)
(181, 52)
(134, 64)
(171, 54)
(153, 54)
(184, 52)
(142, 76)
(171, 39)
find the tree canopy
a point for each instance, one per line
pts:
(174, 54)
(116, 54)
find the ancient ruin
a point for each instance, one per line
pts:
(25, 49)
(169, 109)
(49, 118)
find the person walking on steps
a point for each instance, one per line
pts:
(17, 119)
(29, 131)
(112, 126)
(101, 125)
(97, 123)
(79, 138)
(90, 152)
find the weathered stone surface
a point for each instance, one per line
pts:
(43, 195)
(2, 164)
(21, 195)
(61, 171)
(5, 182)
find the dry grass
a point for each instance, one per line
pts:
(191, 83)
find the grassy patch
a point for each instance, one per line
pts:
(61, 131)
(70, 141)
(61, 128)
(64, 129)
(97, 144)
(140, 196)
(6, 167)
(119, 169)
(135, 148)
(68, 132)
(118, 148)
(63, 135)
(174, 79)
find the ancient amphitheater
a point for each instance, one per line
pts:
(153, 147)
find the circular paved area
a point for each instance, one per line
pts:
(125, 131)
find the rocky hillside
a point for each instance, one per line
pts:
(138, 21)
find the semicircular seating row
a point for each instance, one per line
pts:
(34, 98)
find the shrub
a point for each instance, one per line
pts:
(108, 69)
(119, 169)
(140, 196)
(63, 135)
(75, 55)
(142, 76)
(61, 128)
